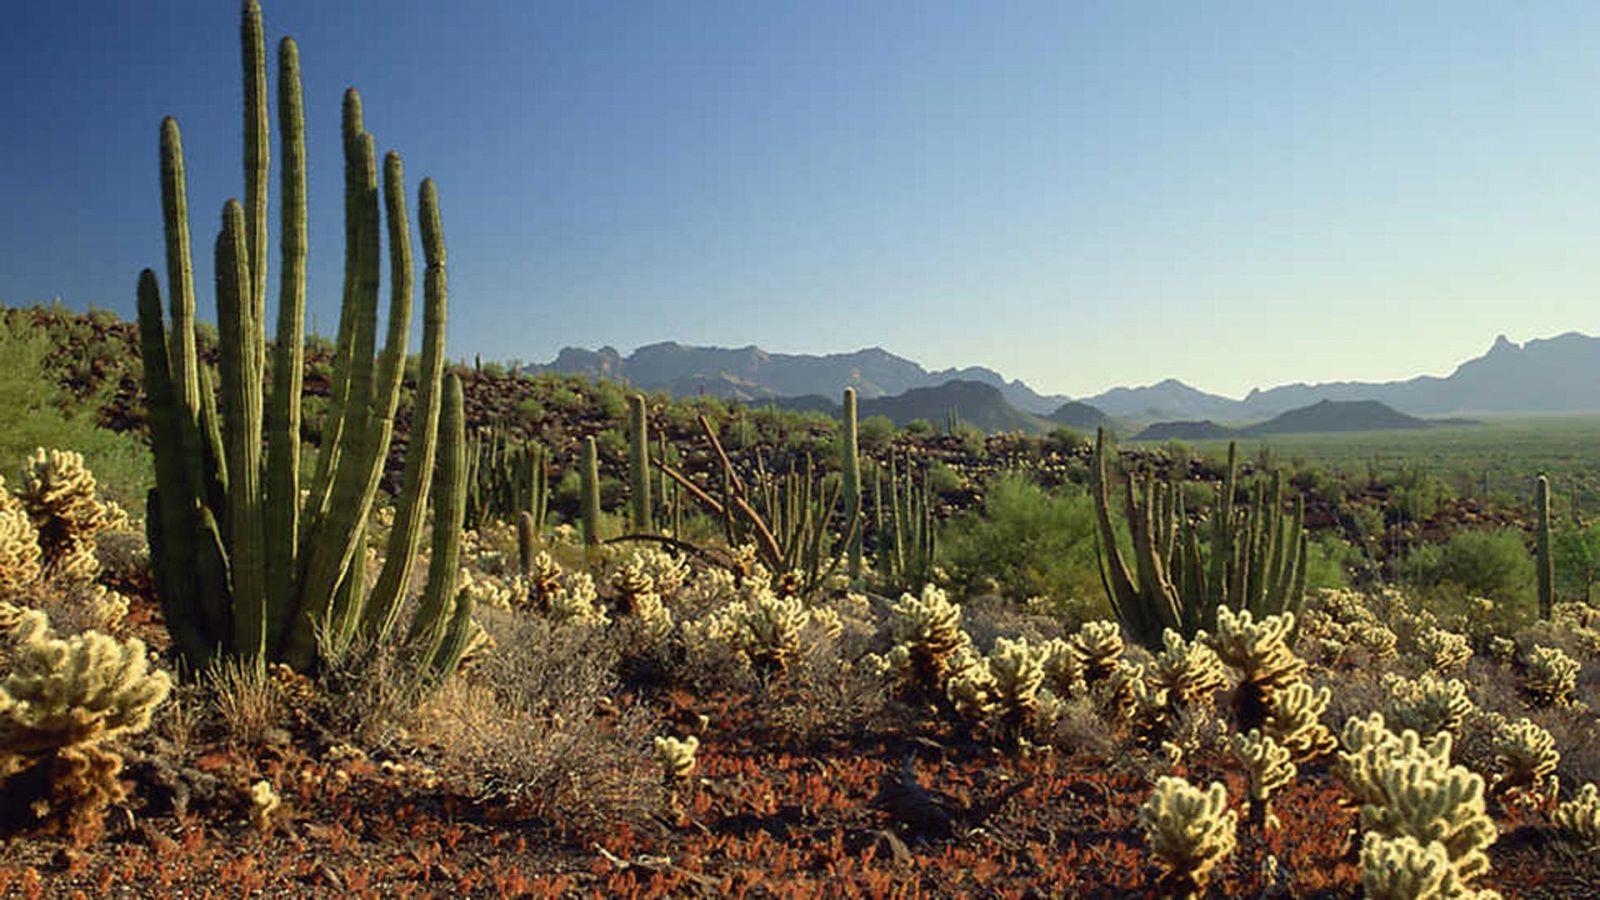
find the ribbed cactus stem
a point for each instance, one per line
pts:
(180, 269)
(589, 475)
(257, 161)
(282, 488)
(1545, 561)
(527, 543)
(416, 479)
(639, 464)
(850, 467)
(449, 511)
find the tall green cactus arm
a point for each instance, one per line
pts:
(282, 488)
(417, 478)
(180, 269)
(850, 466)
(449, 512)
(374, 450)
(589, 477)
(241, 428)
(257, 160)
(168, 502)
(639, 464)
(333, 438)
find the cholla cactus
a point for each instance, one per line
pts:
(58, 492)
(929, 639)
(1004, 693)
(1098, 646)
(62, 698)
(635, 587)
(1189, 672)
(1125, 696)
(1428, 704)
(264, 801)
(676, 757)
(543, 580)
(1063, 669)
(20, 559)
(1502, 650)
(1259, 650)
(1552, 676)
(1445, 651)
(1267, 764)
(1189, 831)
(576, 600)
(1580, 816)
(668, 571)
(1410, 789)
(768, 631)
(1401, 868)
(1581, 622)
(1294, 720)
(1526, 759)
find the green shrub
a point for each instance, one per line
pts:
(1493, 564)
(1032, 542)
(874, 433)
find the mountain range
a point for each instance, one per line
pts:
(1546, 375)
(1324, 416)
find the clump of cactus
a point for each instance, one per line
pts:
(1190, 832)
(62, 499)
(768, 631)
(1005, 694)
(1427, 704)
(1409, 789)
(1403, 868)
(676, 756)
(1525, 761)
(1443, 650)
(1552, 676)
(1189, 672)
(244, 567)
(62, 699)
(1269, 768)
(1254, 563)
(1580, 816)
(20, 556)
(1294, 720)
(929, 642)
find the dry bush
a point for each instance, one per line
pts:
(825, 694)
(989, 617)
(245, 699)
(535, 724)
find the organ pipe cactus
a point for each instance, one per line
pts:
(243, 566)
(1257, 561)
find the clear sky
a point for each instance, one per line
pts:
(1077, 194)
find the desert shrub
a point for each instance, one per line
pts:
(1577, 560)
(37, 413)
(1032, 542)
(874, 433)
(1493, 564)
(919, 427)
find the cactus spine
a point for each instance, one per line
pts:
(850, 466)
(242, 567)
(1546, 562)
(639, 465)
(589, 475)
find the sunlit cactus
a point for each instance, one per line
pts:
(1410, 789)
(1552, 676)
(1190, 831)
(676, 756)
(1188, 671)
(61, 497)
(1258, 649)
(1402, 868)
(1294, 720)
(1268, 766)
(928, 635)
(20, 557)
(1580, 816)
(1427, 704)
(1525, 762)
(1444, 651)
(1099, 648)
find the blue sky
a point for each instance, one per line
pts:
(1077, 194)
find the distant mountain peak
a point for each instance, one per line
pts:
(1502, 344)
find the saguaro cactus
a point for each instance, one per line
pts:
(589, 478)
(850, 467)
(1546, 562)
(243, 567)
(639, 465)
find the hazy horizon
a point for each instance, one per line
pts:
(1237, 195)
